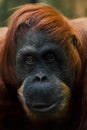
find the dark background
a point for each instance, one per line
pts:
(70, 8)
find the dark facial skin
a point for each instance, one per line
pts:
(42, 68)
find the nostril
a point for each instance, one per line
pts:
(44, 78)
(37, 79)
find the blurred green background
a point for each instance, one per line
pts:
(70, 8)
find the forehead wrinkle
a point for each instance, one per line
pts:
(39, 47)
(38, 43)
(28, 48)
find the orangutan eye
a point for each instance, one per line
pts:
(49, 58)
(29, 60)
